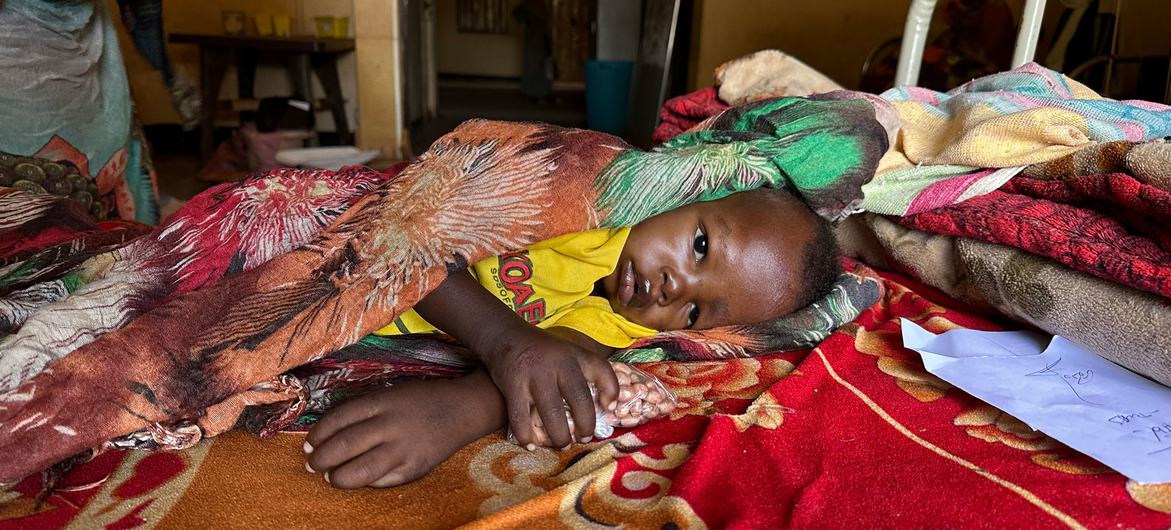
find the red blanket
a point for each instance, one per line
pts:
(1111, 226)
(686, 111)
(851, 434)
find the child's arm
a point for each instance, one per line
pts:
(532, 367)
(582, 340)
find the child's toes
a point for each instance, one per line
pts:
(344, 446)
(366, 469)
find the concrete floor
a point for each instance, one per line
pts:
(177, 175)
(459, 102)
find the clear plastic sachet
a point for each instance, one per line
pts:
(641, 398)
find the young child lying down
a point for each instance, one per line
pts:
(543, 322)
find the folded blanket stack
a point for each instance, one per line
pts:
(1033, 161)
(967, 142)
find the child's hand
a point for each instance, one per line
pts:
(531, 367)
(542, 372)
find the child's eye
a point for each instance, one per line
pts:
(699, 244)
(692, 315)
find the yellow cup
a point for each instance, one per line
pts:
(341, 27)
(263, 24)
(282, 25)
(325, 26)
(332, 27)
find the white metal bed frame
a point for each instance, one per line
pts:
(919, 21)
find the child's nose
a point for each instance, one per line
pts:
(676, 285)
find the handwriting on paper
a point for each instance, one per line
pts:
(1161, 434)
(1072, 378)
(1062, 389)
(1123, 419)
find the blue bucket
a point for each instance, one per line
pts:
(608, 95)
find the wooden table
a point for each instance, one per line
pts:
(302, 54)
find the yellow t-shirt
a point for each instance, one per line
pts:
(549, 284)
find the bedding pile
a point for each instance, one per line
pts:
(1083, 256)
(1054, 201)
(1038, 163)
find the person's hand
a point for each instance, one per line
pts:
(541, 372)
(530, 366)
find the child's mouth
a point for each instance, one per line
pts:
(626, 284)
(633, 291)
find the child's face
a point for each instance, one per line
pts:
(733, 261)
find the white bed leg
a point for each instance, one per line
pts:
(1026, 40)
(914, 40)
(919, 21)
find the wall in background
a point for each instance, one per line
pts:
(833, 37)
(1143, 27)
(483, 54)
(378, 37)
(836, 37)
(1142, 32)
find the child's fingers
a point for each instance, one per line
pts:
(345, 445)
(519, 419)
(540, 438)
(347, 414)
(551, 408)
(577, 395)
(364, 469)
(601, 374)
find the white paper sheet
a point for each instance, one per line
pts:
(1061, 389)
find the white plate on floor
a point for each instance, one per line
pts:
(326, 157)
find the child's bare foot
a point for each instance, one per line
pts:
(399, 434)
